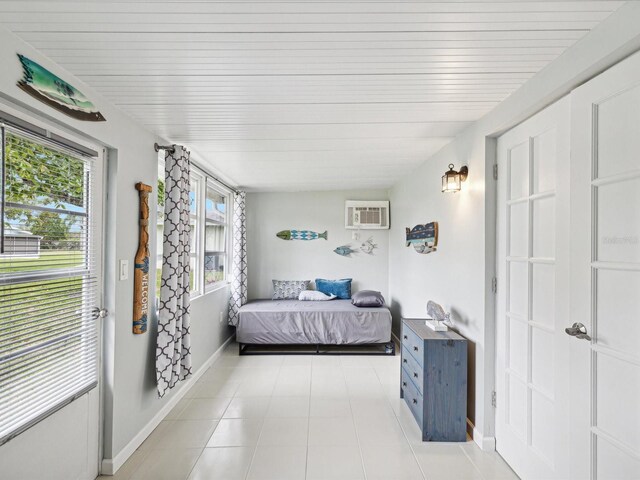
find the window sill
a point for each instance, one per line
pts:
(216, 287)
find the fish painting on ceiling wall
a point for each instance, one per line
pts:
(300, 235)
(47, 87)
(424, 238)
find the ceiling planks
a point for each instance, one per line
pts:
(305, 94)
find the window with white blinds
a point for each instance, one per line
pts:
(48, 284)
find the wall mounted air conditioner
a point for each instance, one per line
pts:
(366, 215)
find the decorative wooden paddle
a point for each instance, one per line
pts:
(141, 267)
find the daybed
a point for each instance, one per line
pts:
(321, 324)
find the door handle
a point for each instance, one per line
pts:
(577, 330)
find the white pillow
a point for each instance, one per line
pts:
(314, 295)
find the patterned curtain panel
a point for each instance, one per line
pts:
(239, 268)
(173, 351)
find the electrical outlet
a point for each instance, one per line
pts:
(123, 270)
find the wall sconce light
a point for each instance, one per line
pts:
(452, 180)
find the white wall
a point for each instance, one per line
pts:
(270, 257)
(459, 274)
(130, 399)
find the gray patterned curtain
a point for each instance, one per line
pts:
(239, 265)
(173, 351)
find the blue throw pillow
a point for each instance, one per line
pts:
(339, 288)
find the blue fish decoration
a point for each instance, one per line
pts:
(344, 250)
(424, 238)
(300, 235)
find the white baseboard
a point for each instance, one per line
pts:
(111, 465)
(487, 444)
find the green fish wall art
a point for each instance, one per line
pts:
(40, 83)
(300, 235)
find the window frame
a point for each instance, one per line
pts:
(204, 180)
(226, 193)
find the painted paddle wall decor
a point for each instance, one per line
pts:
(40, 83)
(424, 238)
(300, 235)
(141, 265)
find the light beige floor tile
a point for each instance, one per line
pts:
(330, 407)
(288, 432)
(129, 467)
(328, 387)
(219, 388)
(236, 432)
(390, 462)
(371, 407)
(491, 465)
(292, 388)
(354, 361)
(332, 431)
(330, 361)
(225, 463)
(382, 431)
(258, 387)
(440, 461)
(205, 408)
(334, 463)
(186, 434)
(247, 407)
(409, 425)
(278, 463)
(297, 360)
(174, 464)
(283, 407)
(177, 410)
(155, 436)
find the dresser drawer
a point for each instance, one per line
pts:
(414, 370)
(412, 397)
(413, 343)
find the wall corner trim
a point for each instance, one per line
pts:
(486, 444)
(110, 466)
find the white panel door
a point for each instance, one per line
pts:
(533, 261)
(605, 275)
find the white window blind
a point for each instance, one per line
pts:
(48, 285)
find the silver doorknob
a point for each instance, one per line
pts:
(578, 330)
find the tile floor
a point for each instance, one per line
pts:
(301, 417)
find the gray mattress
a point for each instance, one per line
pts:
(334, 322)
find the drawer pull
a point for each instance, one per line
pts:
(415, 349)
(404, 360)
(405, 337)
(415, 375)
(415, 402)
(404, 384)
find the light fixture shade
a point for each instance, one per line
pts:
(451, 180)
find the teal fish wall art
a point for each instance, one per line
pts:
(345, 250)
(424, 238)
(368, 246)
(300, 235)
(47, 87)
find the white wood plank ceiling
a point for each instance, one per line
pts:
(305, 95)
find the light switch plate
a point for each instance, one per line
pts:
(124, 270)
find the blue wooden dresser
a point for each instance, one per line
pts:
(434, 381)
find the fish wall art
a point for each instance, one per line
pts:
(345, 250)
(300, 235)
(40, 83)
(368, 246)
(424, 238)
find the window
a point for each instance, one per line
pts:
(48, 289)
(215, 237)
(209, 218)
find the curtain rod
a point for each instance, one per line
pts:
(172, 149)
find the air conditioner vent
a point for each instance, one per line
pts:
(366, 215)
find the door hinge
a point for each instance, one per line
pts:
(493, 399)
(494, 285)
(495, 172)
